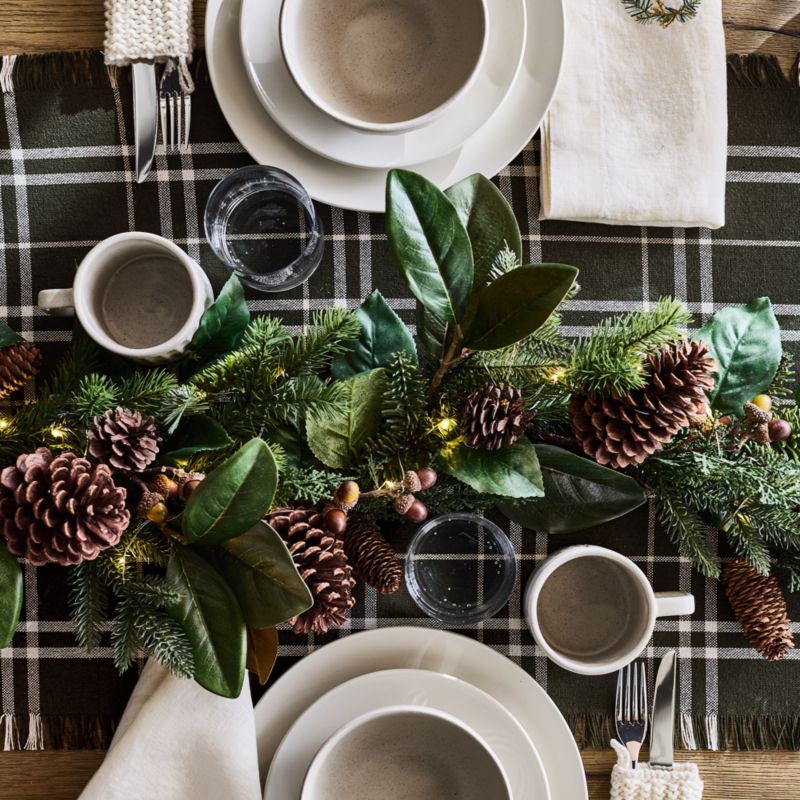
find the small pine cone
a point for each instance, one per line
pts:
(760, 607)
(494, 416)
(372, 557)
(18, 364)
(63, 510)
(124, 440)
(411, 481)
(623, 431)
(323, 565)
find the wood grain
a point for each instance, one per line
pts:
(35, 26)
(728, 776)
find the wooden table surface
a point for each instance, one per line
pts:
(751, 26)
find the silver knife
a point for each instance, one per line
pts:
(145, 117)
(663, 725)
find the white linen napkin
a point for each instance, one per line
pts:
(637, 131)
(176, 741)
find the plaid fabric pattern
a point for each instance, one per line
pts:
(66, 182)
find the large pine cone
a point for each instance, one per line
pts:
(18, 364)
(322, 562)
(62, 510)
(124, 440)
(760, 607)
(373, 558)
(494, 416)
(623, 431)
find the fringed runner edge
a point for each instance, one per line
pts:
(86, 69)
(37, 732)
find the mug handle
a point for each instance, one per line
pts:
(674, 604)
(58, 302)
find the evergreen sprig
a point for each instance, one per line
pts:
(89, 602)
(307, 485)
(648, 11)
(611, 359)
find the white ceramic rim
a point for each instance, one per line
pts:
(277, 92)
(318, 763)
(546, 569)
(442, 652)
(86, 316)
(489, 150)
(296, 71)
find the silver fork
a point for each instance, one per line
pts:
(630, 712)
(175, 109)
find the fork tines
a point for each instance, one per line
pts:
(630, 708)
(175, 110)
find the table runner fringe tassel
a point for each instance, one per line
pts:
(8, 723)
(702, 732)
(55, 732)
(761, 70)
(35, 740)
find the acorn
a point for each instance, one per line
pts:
(189, 483)
(779, 430)
(163, 485)
(418, 512)
(403, 502)
(335, 521)
(151, 506)
(411, 481)
(427, 477)
(763, 401)
(347, 495)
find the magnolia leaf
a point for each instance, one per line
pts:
(429, 243)
(262, 652)
(432, 332)
(490, 222)
(262, 574)
(745, 341)
(336, 438)
(208, 612)
(233, 497)
(8, 336)
(578, 494)
(517, 304)
(223, 323)
(382, 335)
(195, 434)
(10, 594)
(510, 471)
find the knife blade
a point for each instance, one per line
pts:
(145, 117)
(663, 725)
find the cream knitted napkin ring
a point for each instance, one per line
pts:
(150, 30)
(682, 782)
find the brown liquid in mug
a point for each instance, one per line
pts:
(591, 609)
(146, 301)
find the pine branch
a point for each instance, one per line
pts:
(505, 261)
(331, 333)
(184, 401)
(308, 486)
(96, 395)
(687, 531)
(89, 603)
(147, 391)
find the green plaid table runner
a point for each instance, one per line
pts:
(66, 182)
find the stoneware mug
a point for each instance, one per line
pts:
(146, 254)
(598, 617)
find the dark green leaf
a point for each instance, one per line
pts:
(578, 494)
(336, 438)
(745, 341)
(517, 304)
(195, 434)
(262, 575)
(208, 612)
(223, 323)
(10, 594)
(382, 335)
(510, 471)
(432, 332)
(234, 497)
(490, 222)
(262, 652)
(429, 244)
(8, 336)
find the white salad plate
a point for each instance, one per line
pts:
(487, 151)
(303, 121)
(436, 651)
(407, 687)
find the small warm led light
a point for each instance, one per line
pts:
(557, 374)
(447, 424)
(58, 433)
(4, 423)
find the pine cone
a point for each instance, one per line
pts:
(622, 431)
(760, 607)
(18, 364)
(494, 417)
(123, 439)
(372, 557)
(322, 562)
(63, 510)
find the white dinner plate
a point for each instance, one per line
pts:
(436, 651)
(488, 151)
(407, 687)
(302, 120)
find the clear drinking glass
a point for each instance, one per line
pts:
(262, 224)
(460, 569)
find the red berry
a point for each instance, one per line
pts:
(779, 430)
(427, 477)
(418, 512)
(335, 521)
(189, 487)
